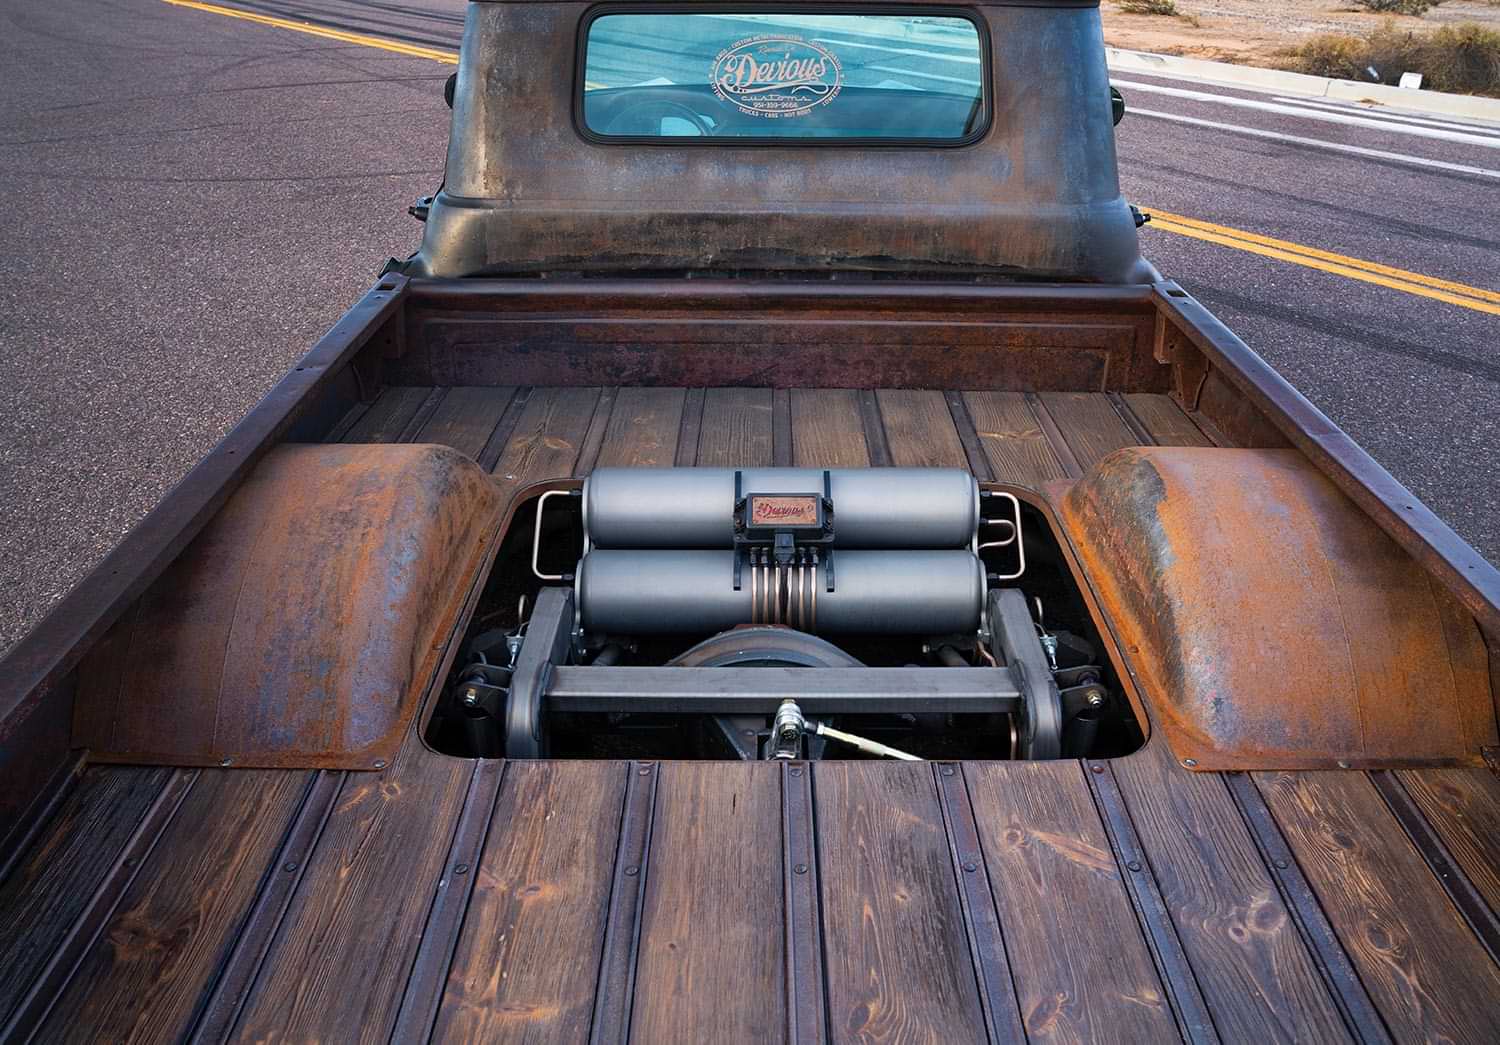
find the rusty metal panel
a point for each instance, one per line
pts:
(301, 627)
(1272, 624)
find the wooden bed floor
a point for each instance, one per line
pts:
(1127, 900)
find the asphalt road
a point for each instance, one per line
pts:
(195, 198)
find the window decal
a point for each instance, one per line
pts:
(775, 76)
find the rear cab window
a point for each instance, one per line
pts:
(783, 76)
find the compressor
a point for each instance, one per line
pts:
(877, 579)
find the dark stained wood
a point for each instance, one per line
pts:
(643, 428)
(143, 977)
(593, 440)
(1252, 967)
(876, 446)
(47, 893)
(996, 982)
(807, 1001)
(712, 955)
(897, 952)
(617, 966)
(388, 416)
(221, 1004)
(344, 949)
(1081, 967)
(1164, 420)
(689, 432)
(827, 429)
(1186, 1000)
(548, 434)
(1463, 806)
(465, 418)
(919, 429)
(736, 428)
(1423, 967)
(781, 427)
(1089, 423)
(528, 959)
(422, 416)
(1012, 438)
(429, 971)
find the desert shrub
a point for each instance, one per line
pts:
(1463, 59)
(1149, 7)
(1398, 7)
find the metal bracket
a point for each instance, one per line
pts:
(1013, 637)
(548, 634)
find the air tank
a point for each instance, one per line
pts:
(691, 591)
(927, 508)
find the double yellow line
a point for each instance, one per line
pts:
(1460, 294)
(1452, 293)
(411, 50)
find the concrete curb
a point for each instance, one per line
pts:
(1300, 83)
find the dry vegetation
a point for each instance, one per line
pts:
(1452, 43)
(1464, 58)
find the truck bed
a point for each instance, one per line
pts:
(1128, 899)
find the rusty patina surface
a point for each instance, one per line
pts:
(303, 625)
(1273, 625)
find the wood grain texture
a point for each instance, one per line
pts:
(827, 429)
(1252, 967)
(465, 418)
(897, 950)
(548, 434)
(1424, 968)
(1082, 969)
(388, 416)
(1165, 420)
(340, 959)
(1089, 424)
(161, 949)
(47, 893)
(1463, 807)
(541, 894)
(736, 428)
(919, 429)
(1012, 438)
(643, 428)
(712, 955)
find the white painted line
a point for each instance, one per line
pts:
(1317, 143)
(1423, 121)
(1308, 114)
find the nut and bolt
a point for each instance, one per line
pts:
(1095, 699)
(471, 697)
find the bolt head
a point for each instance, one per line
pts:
(1190, 762)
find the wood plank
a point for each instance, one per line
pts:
(689, 434)
(161, 949)
(1089, 424)
(465, 418)
(548, 434)
(736, 428)
(1166, 422)
(48, 892)
(346, 943)
(827, 429)
(1082, 970)
(643, 428)
(391, 412)
(919, 429)
(1012, 438)
(541, 892)
(1463, 807)
(712, 951)
(1424, 968)
(1251, 965)
(897, 952)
